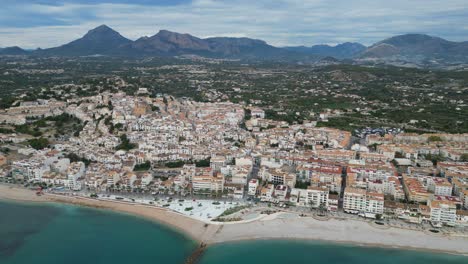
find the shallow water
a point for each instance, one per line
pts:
(69, 234)
(53, 233)
(309, 252)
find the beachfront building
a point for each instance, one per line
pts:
(208, 183)
(443, 213)
(464, 198)
(354, 200)
(359, 201)
(314, 197)
(462, 218)
(281, 191)
(266, 193)
(75, 171)
(333, 201)
(253, 185)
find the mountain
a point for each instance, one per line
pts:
(13, 51)
(100, 40)
(167, 43)
(418, 46)
(164, 43)
(409, 49)
(342, 51)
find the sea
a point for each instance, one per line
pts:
(66, 234)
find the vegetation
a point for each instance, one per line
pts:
(26, 129)
(6, 131)
(464, 157)
(175, 164)
(435, 158)
(125, 143)
(434, 139)
(233, 210)
(39, 143)
(75, 158)
(301, 185)
(203, 163)
(143, 167)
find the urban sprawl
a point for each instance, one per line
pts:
(162, 145)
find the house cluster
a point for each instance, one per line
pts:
(48, 166)
(433, 175)
(19, 115)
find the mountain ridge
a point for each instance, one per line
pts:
(345, 50)
(104, 40)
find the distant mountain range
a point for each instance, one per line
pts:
(105, 41)
(346, 50)
(13, 51)
(413, 46)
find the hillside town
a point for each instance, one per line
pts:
(220, 150)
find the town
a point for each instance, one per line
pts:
(116, 146)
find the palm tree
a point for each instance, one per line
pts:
(322, 209)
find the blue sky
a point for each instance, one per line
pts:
(48, 23)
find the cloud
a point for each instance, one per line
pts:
(48, 23)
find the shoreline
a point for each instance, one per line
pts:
(346, 232)
(344, 243)
(191, 228)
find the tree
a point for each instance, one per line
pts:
(464, 157)
(301, 185)
(125, 143)
(203, 163)
(434, 139)
(143, 167)
(39, 143)
(322, 209)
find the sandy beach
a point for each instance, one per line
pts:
(271, 227)
(195, 229)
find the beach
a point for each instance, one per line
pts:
(197, 230)
(276, 226)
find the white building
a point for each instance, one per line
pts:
(358, 201)
(253, 186)
(439, 186)
(443, 213)
(310, 197)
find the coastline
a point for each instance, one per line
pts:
(350, 232)
(192, 228)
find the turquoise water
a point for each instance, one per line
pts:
(62, 234)
(304, 252)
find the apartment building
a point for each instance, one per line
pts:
(279, 176)
(439, 186)
(414, 190)
(311, 197)
(266, 193)
(358, 201)
(208, 183)
(443, 213)
(253, 186)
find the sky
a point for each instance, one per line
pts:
(49, 23)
